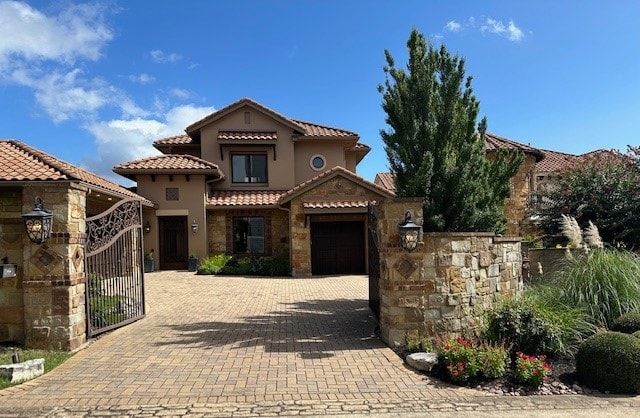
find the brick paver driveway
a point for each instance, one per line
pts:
(214, 346)
(212, 339)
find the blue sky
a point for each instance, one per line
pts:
(96, 83)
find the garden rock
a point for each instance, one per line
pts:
(21, 372)
(422, 361)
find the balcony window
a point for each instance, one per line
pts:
(248, 235)
(249, 168)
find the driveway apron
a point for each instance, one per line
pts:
(211, 339)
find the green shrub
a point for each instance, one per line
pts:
(535, 323)
(213, 264)
(492, 360)
(627, 323)
(415, 344)
(274, 266)
(106, 310)
(636, 334)
(606, 283)
(465, 359)
(610, 361)
(238, 266)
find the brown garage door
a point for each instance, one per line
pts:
(337, 247)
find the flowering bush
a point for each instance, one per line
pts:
(460, 357)
(531, 370)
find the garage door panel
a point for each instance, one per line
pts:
(337, 247)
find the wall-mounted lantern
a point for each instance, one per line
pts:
(147, 227)
(194, 226)
(38, 222)
(409, 233)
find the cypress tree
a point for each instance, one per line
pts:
(432, 144)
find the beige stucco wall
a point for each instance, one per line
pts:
(280, 171)
(191, 203)
(332, 151)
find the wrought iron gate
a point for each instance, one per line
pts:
(374, 260)
(114, 267)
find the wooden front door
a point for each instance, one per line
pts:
(173, 242)
(337, 248)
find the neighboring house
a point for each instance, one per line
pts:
(248, 181)
(521, 185)
(554, 163)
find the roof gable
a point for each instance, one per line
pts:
(194, 128)
(300, 128)
(330, 174)
(21, 162)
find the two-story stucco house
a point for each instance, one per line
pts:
(248, 181)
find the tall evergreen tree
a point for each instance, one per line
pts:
(433, 147)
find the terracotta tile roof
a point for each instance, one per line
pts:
(244, 197)
(174, 140)
(386, 180)
(247, 136)
(329, 174)
(336, 205)
(495, 142)
(555, 161)
(361, 146)
(168, 164)
(316, 130)
(21, 162)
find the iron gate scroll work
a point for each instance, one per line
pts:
(114, 267)
(374, 260)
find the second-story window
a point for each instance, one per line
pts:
(249, 168)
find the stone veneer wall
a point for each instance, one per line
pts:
(440, 289)
(515, 208)
(220, 225)
(11, 292)
(54, 279)
(335, 189)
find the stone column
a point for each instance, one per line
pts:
(11, 299)
(441, 289)
(54, 279)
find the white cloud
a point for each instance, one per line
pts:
(489, 25)
(68, 95)
(181, 93)
(452, 26)
(121, 140)
(28, 34)
(143, 78)
(510, 31)
(160, 56)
